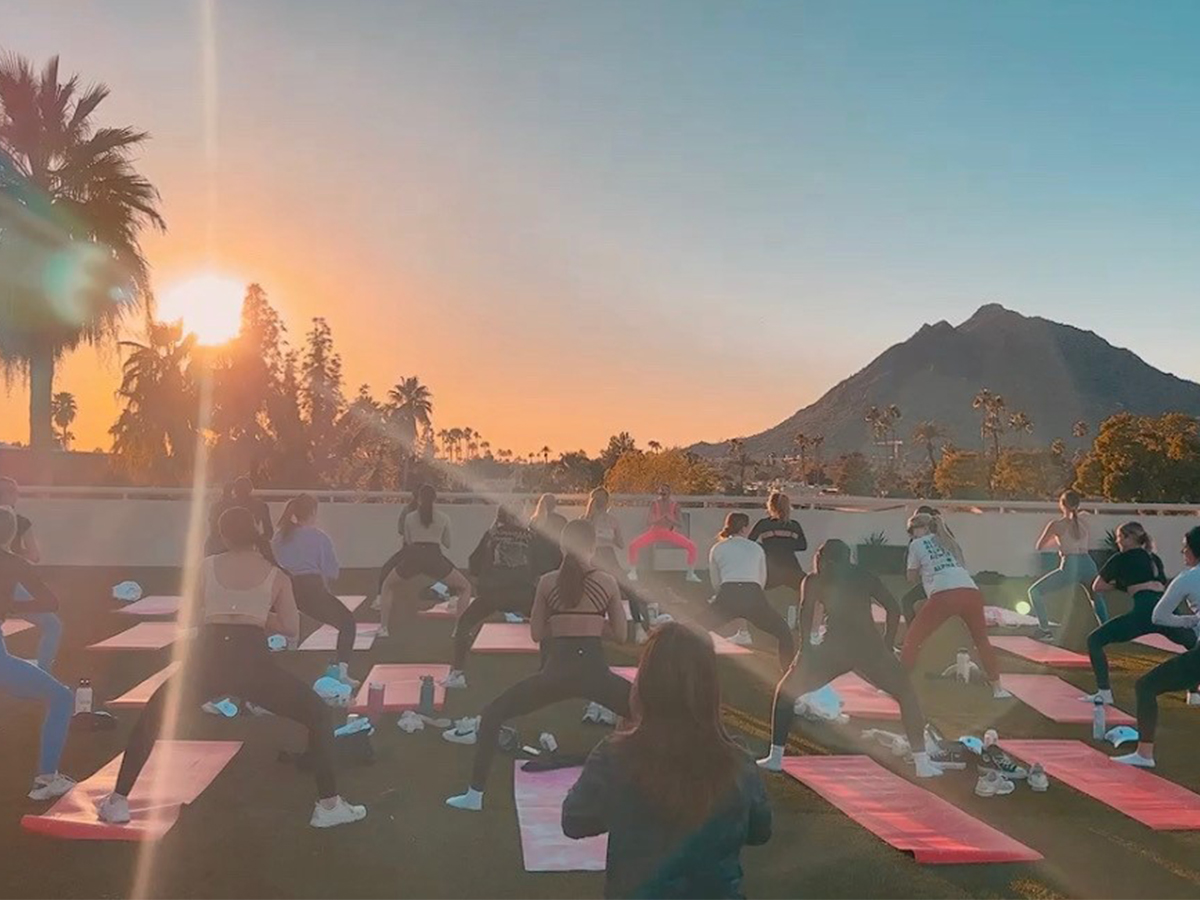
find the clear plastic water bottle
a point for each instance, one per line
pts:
(1098, 723)
(962, 665)
(375, 694)
(83, 696)
(791, 617)
(425, 703)
(652, 612)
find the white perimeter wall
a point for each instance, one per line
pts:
(110, 528)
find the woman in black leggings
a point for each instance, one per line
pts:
(738, 569)
(504, 583)
(851, 644)
(1136, 570)
(1176, 674)
(574, 609)
(393, 561)
(306, 553)
(242, 593)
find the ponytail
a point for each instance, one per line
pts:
(578, 544)
(296, 511)
(426, 495)
(1069, 501)
(734, 522)
(1136, 531)
(943, 535)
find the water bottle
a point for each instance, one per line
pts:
(548, 743)
(425, 704)
(962, 665)
(652, 612)
(1098, 724)
(791, 617)
(375, 692)
(83, 696)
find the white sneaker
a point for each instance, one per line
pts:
(382, 634)
(605, 716)
(1134, 759)
(742, 638)
(926, 768)
(471, 800)
(376, 603)
(632, 575)
(455, 680)
(342, 813)
(114, 810)
(48, 787)
(992, 785)
(692, 577)
(999, 692)
(255, 710)
(1193, 698)
(458, 736)
(771, 764)
(591, 713)
(1037, 780)
(1106, 696)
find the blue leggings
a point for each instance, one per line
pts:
(25, 682)
(1076, 569)
(49, 627)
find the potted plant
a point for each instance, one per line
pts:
(1107, 548)
(876, 555)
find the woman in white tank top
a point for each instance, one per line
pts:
(1070, 535)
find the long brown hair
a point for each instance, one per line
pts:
(680, 756)
(578, 544)
(426, 495)
(734, 522)
(1069, 501)
(593, 507)
(239, 531)
(296, 511)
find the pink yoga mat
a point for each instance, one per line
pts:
(1159, 642)
(908, 817)
(502, 637)
(352, 601)
(9, 627)
(140, 695)
(142, 636)
(402, 686)
(175, 775)
(539, 798)
(1056, 699)
(862, 700)
(325, 637)
(154, 605)
(629, 673)
(447, 609)
(1138, 793)
(724, 647)
(1036, 651)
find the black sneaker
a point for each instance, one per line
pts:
(949, 755)
(993, 759)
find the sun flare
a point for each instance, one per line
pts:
(208, 304)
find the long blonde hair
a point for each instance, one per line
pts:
(941, 533)
(779, 505)
(296, 511)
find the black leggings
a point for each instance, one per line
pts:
(746, 600)
(1133, 624)
(782, 574)
(606, 558)
(234, 660)
(573, 668)
(1174, 675)
(393, 562)
(496, 593)
(864, 654)
(313, 599)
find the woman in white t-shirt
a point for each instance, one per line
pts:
(936, 560)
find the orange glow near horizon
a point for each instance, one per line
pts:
(208, 304)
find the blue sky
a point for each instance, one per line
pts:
(683, 219)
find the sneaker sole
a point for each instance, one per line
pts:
(949, 766)
(1011, 776)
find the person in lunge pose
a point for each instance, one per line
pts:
(936, 560)
(609, 539)
(663, 523)
(676, 795)
(242, 594)
(23, 681)
(25, 545)
(738, 569)
(504, 583)
(1179, 672)
(306, 553)
(1135, 569)
(426, 534)
(851, 644)
(1069, 535)
(574, 609)
(783, 541)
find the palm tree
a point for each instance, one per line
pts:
(456, 439)
(929, 435)
(545, 451)
(654, 446)
(817, 442)
(63, 410)
(443, 437)
(72, 183)
(154, 438)
(1080, 429)
(802, 442)
(1020, 423)
(486, 447)
(412, 406)
(741, 459)
(992, 408)
(893, 415)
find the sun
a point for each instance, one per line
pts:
(209, 305)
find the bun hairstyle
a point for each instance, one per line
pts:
(239, 531)
(297, 510)
(578, 543)
(734, 522)
(1138, 534)
(940, 532)
(1069, 502)
(779, 505)
(426, 496)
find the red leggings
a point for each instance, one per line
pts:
(660, 535)
(967, 604)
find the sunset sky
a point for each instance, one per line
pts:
(685, 220)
